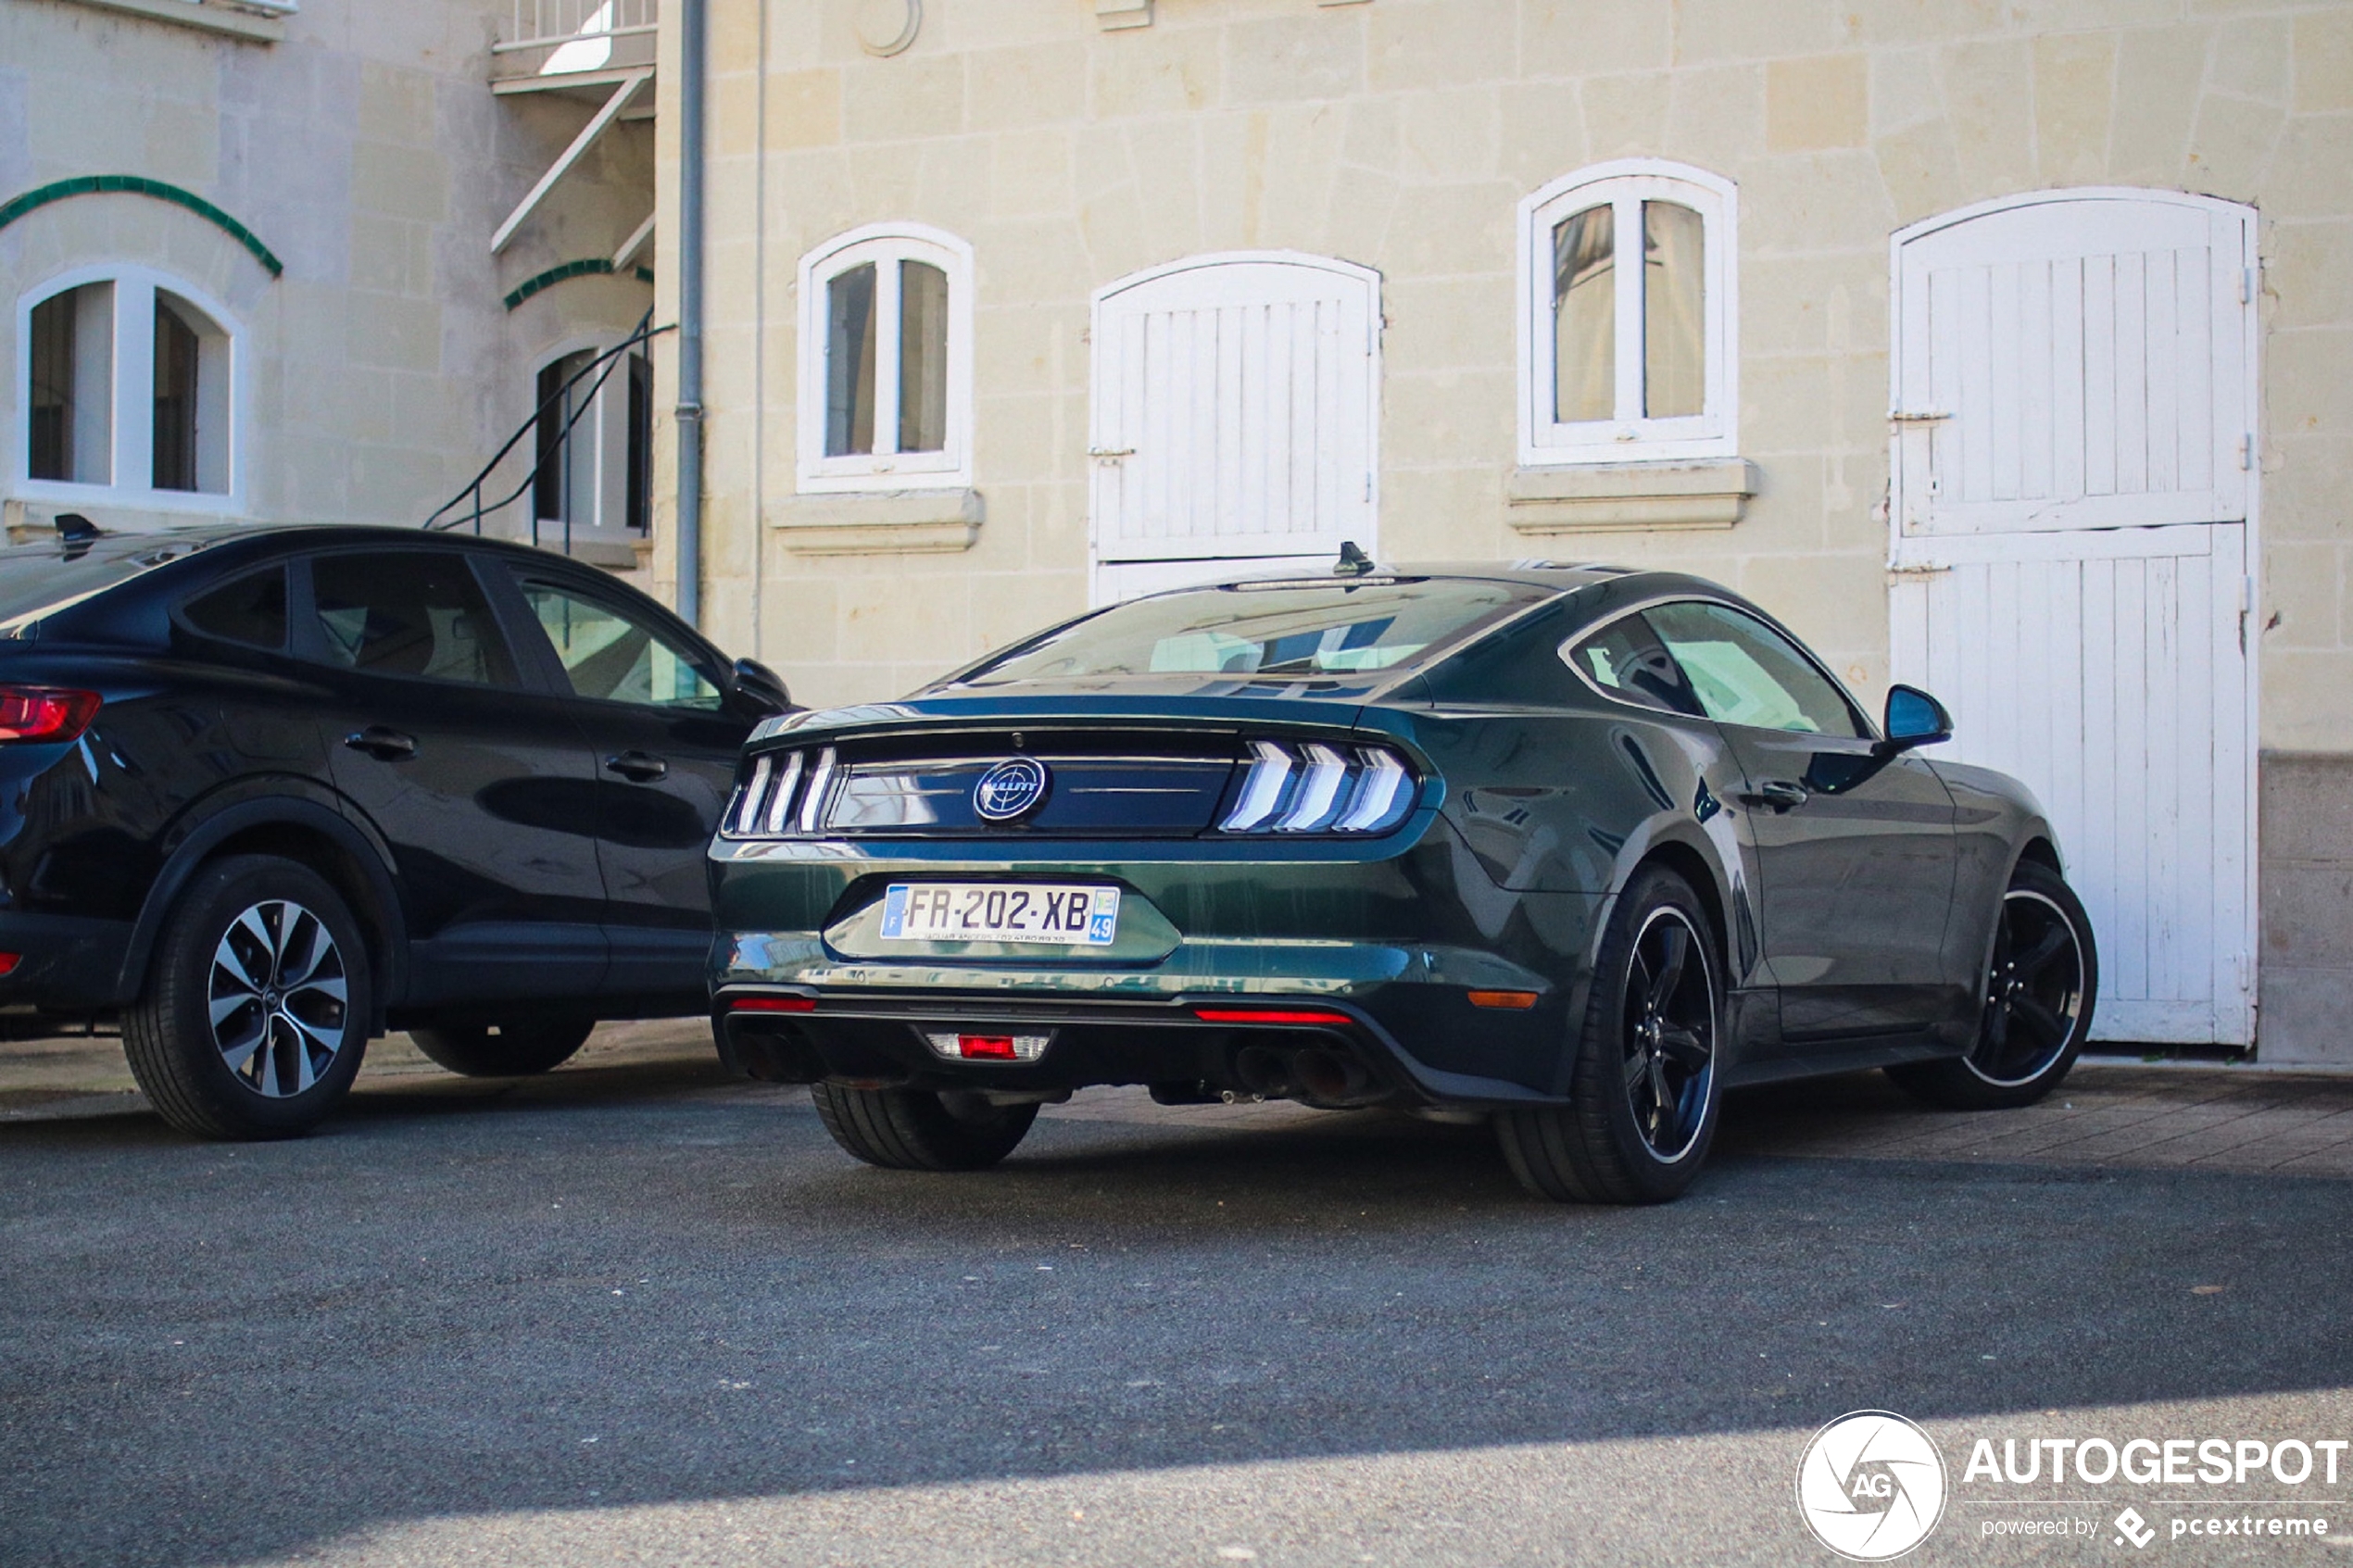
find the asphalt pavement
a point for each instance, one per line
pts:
(635, 1313)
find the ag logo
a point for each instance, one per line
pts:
(1871, 1485)
(1012, 788)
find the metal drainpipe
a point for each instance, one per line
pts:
(691, 48)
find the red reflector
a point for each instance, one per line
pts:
(1516, 1001)
(772, 1004)
(45, 713)
(985, 1047)
(1313, 1017)
(10, 961)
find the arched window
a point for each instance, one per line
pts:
(886, 360)
(128, 385)
(1622, 363)
(592, 444)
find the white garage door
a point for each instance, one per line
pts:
(2073, 413)
(1233, 427)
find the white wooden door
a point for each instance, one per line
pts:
(2071, 514)
(1234, 420)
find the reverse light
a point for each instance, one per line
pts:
(959, 1046)
(772, 1004)
(50, 714)
(1307, 1018)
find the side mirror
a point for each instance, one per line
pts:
(762, 688)
(1914, 718)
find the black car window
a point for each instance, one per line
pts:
(1626, 659)
(611, 654)
(1745, 672)
(408, 612)
(249, 609)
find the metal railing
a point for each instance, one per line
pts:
(449, 517)
(584, 28)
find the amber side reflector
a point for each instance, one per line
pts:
(1512, 1001)
(772, 1004)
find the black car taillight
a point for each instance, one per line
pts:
(782, 797)
(1314, 786)
(47, 714)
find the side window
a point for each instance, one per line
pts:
(1745, 672)
(615, 657)
(408, 612)
(251, 611)
(1625, 660)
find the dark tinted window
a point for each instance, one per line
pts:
(408, 612)
(252, 610)
(1745, 672)
(1627, 661)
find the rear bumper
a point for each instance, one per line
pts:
(65, 963)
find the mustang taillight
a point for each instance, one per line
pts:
(784, 795)
(45, 713)
(1316, 787)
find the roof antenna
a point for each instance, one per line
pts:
(1353, 561)
(73, 526)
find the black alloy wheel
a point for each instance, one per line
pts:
(1644, 1091)
(2040, 983)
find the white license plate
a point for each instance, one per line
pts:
(1000, 911)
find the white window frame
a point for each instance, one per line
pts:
(133, 397)
(1546, 442)
(886, 469)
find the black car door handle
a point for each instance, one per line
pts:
(383, 745)
(638, 767)
(1780, 794)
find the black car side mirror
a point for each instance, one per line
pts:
(1914, 718)
(762, 688)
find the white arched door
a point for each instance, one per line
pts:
(1234, 422)
(2073, 494)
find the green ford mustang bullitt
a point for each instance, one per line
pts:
(1574, 846)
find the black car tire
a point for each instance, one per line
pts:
(913, 1130)
(508, 1050)
(2037, 1012)
(274, 911)
(1652, 1030)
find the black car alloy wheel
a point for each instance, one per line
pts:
(2035, 994)
(1669, 1034)
(279, 999)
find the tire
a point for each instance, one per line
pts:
(2041, 985)
(1644, 1091)
(273, 932)
(913, 1130)
(509, 1049)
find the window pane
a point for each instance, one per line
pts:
(69, 400)
(1747, 674)
(1626, 660)
(1673, 352)
(615, 657)
(565, 485)
(408, 612)
(250, 610)
(1584, 318)
(175, 435)
(922, 358)
(849, 362)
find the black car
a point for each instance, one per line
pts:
(1577, 847)
(268, 792)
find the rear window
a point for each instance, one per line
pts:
(1284, 630)
(39, 581)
